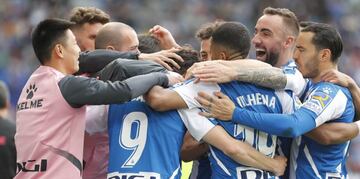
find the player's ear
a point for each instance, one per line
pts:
(110, 47)
(223, 56)
(290, 40)
(325, 54)
(58, 50)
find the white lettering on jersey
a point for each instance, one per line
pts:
(256, 99)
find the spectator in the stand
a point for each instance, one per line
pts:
(7, 133)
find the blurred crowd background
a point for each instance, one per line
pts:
(181, 17)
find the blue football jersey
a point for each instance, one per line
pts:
(324, 102)
(310, 159)
(144, 143)
(299, 86)
(247, 96)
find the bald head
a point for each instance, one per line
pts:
(117, 36)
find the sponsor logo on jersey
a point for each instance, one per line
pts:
(36, 166)
(140, 175)
(318, 102)
(30, 103)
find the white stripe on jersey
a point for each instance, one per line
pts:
(334, 110)
(293, 156)
(286, 101)
(279, 150)
(175, 173)
(222, 166)
(311, 161)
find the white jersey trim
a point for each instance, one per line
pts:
(334, 110)
(175, 173)
(221, 165)
(311, 161)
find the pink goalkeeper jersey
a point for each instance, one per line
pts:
(49, 132)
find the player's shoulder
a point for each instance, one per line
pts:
(290, 67)
(329, 88)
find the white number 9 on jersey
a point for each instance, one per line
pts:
(138, 121)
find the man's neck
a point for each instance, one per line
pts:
(56, 66)
(323, 70)
(284, 58)
(235, 56)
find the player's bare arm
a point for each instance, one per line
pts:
(334, 133)
(192, 149)
(251, 71)
(334, 76)
(161, 99)
(243, 153)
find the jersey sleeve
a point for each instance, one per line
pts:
(79, 91)
(327, 103)
(197, 125)
(189, 90)
(122, 69)
(294, 80)
(96, 118)
(94, 61)
(324, 104)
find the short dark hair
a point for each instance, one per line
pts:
(326, 37)
(148, 44)
(290, 20)
(91, 15)
(206, 30)
(4, 95)
(304, 24)
(47, 34)
(189, 55)
(234, 36)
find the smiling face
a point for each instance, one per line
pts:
(306, 55)
(71, 53)
(268, 38)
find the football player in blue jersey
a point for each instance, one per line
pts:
(146, 143)
(317, 51)
(230, 41)
(272, 41)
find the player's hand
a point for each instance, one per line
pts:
(334, 76)
(280, 165)
(163, 58)
(190, 72)
(218, 106)
(166, 39)
(174, 78)
(216, 72)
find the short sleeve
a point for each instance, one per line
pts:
(328, 103)
(294, 80)
(189, 90)
(197, 125)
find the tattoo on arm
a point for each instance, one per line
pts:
(266, 77)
